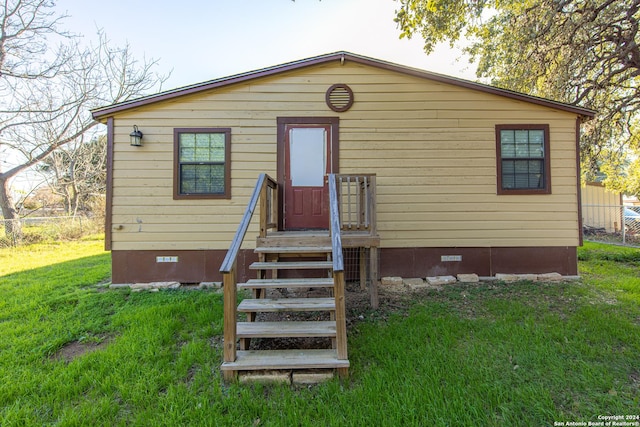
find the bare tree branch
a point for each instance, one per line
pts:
(48, 84)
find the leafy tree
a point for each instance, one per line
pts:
(48, 83)
(577, 51)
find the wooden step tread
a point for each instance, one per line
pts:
(293, 249)
(303, 265)
(285, 359)
(287, 304)
(286, 329)
(286, 283)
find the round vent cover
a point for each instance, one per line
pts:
(339, 97)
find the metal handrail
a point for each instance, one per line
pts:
(334, 221)
(228, 267)
(232, 253)
(338, 274)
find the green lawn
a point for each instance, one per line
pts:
(491, 354)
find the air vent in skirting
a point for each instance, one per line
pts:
(339, 97)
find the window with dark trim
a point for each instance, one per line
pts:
(202, 163)
(523, 159)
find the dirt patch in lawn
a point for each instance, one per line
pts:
(74, 349)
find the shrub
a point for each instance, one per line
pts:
(55, 229)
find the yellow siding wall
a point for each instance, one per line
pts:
(432, 146)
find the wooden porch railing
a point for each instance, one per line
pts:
(338, 274)
(357, 197)
(357, 214)
(268, 206)
(265, 191)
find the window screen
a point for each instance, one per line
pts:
(202, 162)
(523, 158)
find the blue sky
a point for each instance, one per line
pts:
(202, 40)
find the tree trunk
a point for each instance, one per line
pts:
(12, 224)
(75, 200)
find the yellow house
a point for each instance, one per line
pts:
(468, 178)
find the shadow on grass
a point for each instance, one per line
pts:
(82, 271)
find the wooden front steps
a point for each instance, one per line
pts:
(287, 304)
(269, 298)
(302, 265)
(367, 242)
(286, 283)
(253, 360)
(293, 249)
(286, 329)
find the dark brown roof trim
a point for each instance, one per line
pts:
(101, 113)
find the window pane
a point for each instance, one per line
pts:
(508, 181)
(202, 153)
(187, 179)
(536, 181)
(508, 150)
(536, 136)
(535, 166)
(202, 179)
(507, 137)
(527, 146)
(508, 166)
(202, 147)
(522, 181)
(217, 147)
(187, 147)
(522, 136)
(522, 143)
(507, 143)
(307, 153)
(536, 150)
(188, 140)
(202, 140)
(536, 143)
(187, 154)
(522, 174)
(522, 166)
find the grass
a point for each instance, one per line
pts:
(490, 354)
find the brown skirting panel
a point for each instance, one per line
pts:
(422, 262)
(563, 260)
(192, 266)
(203, 265)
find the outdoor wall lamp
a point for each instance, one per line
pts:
(136, 137)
